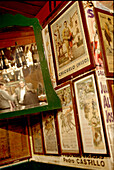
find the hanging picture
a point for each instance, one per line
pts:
(37, 137)
(110, 85)
(67, 123)
(110, 128)
(49, 133)
(105, 28)
(94, 39)
(70, 43)
(94, 140)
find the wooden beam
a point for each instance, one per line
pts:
(43, 13)
(16, 11)
(20, 41)
(45, 16)
(15, 34)
(23, 36)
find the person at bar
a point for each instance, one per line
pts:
(6, 99)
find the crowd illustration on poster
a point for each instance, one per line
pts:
(66, 121)
(89, 115)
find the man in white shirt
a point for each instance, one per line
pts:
(20, 92)
(26, 95)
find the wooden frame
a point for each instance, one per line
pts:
(53, 101)
(51, 146)
(72, 54)
(47, 47)
(37, 134)
(68, 129)
(91, 121)
(18, 141)
(104, 21)
(110, 85)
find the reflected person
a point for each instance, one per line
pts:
(26, 95)
(5, 99)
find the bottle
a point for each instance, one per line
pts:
(5, 61)
(29, 57)
(1, 61)
(35, 55)
(18, 59)
(22, 55)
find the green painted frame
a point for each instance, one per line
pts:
(52, 98)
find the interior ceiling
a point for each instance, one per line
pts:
(32, 8)
(27, 8)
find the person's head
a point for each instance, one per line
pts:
(65, 23)
(2, 86)
(21, 83)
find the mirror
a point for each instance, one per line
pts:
(24, 74)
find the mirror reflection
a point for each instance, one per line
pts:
(21, 80)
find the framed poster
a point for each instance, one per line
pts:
(70, 43)
(110, 85)
(67, 122)
(110, 128)
(105, 27)
(16, 141)
(92, 127)
(37, 137)
(50, 133)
